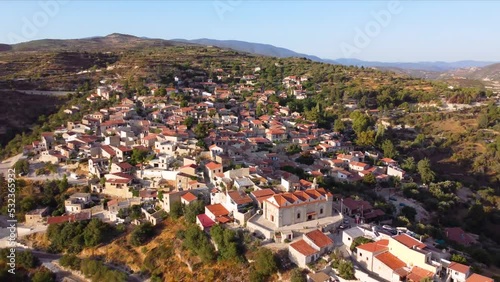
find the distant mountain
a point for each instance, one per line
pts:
(117, 41)
(425, 66)
(99, 43)
(424, 69)
(486, 73)
(249, 47)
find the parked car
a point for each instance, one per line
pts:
(402, 204)
(393, 199)
(387, 227)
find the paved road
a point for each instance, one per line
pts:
(8, 163)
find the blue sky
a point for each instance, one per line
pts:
(416, 30)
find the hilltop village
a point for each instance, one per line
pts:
(252, 164)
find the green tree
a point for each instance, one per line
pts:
(475, 217)
(27, 204)
(43, 275)
(293, 149)
(201, 130)
(22, 166)
(297, 276)
(138, 156)
(92, 233)
(369, 179)
(366, 138)
(458, 258)
(193, 209)
(339, 125)
(419, 140)
(197, 242)
(176, 210)
(189, 122)
(425, 171)
(346, 270)
(389, 149)
(141, 234)
(71, 261)
(409, 164)
(27, 260)
(409, 213)
(161, 92)
(360, 122)
(483, 121)
(265, 262)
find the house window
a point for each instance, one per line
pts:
(360, 254)
(298, 215)
(272, 218)
(321, 211)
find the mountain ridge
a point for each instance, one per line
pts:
(116, 41)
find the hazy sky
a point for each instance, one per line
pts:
(368, 30)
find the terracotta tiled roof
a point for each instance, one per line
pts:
(458, 235)
(212, 166)
(189, 197)
(417, 274)
(239, 198)
(459, 267)
(124, 165)
(478, 278)
(217, 210)
(288, 199)
(223, 219)
(108, 150)
(408, 241)
(319, 239)
(354, 204)
(375, 246)
(390, 260)
(302, 247)
(263, 192)
(205, 220)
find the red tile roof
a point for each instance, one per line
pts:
(213, 166)
(223, 219)
(375, 246)
(356, 204)
(478, 278)
(459, 267)
(319, 239)
(148, 193)
(124, 165)
(72, 217)
(458, 235)
(189, 197)
(298, 197)
(263, 192)
(302, 247)
(390, 260)
(108, 150)
(205, 220)
(409, 242)
(417, 274)
(217, 210)
(239, 198)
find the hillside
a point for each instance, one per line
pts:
(110, 42)
(253, 48)
(490, 72)
(118, 41)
